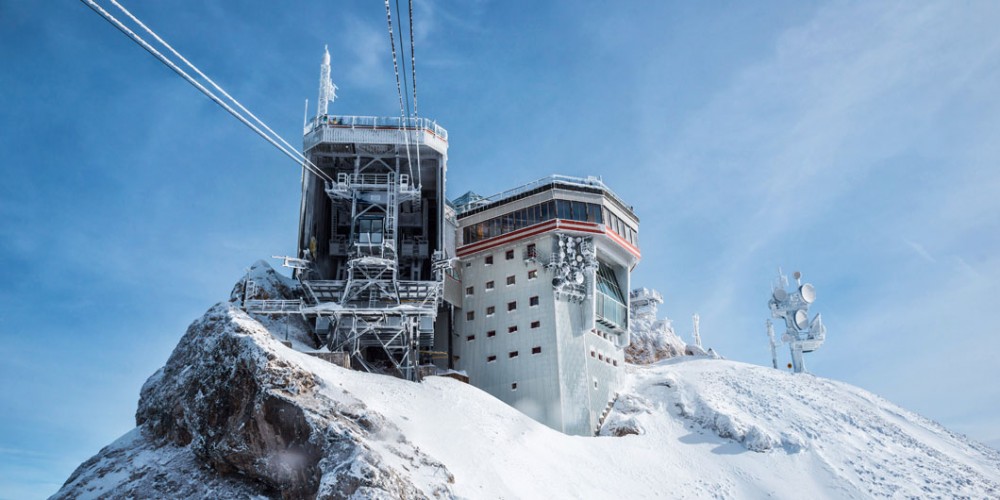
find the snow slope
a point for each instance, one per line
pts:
(236, 414)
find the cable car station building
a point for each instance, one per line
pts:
(524, 291)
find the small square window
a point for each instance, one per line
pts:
(532, 274)
(491, 333)
(536, 324)
(490, 310)
(533, 301)
(593, 354)
(471, 315)
(470, 338)
(489, 260)
(531, 251)
(511, 280)
(615, 362)
(513, 386)
(490, 359)
(469, 290)
(511, 306)
(600, 357)
(595, 384)
(489, 285)
(538, 350)
(509, 255)
(512, 354)
(511, 329)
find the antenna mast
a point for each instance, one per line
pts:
(327, 90)
(697, 334)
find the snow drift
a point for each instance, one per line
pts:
(236, 414)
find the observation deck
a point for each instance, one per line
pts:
(375, 130)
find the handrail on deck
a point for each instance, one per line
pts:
(377, 122)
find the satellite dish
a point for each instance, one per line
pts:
(578, 277)
(801, 319)
(796, 275)
(780, 294)
(557, 282)
(808, 293)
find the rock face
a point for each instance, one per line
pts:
(653, 339)
(239, 419)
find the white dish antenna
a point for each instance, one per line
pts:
(801, 334)
(808, 293)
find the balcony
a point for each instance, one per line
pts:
(610, 312)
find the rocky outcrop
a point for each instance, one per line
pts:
(233, 405)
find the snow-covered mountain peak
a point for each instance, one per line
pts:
(237, 414)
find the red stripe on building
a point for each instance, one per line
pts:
(550, 225)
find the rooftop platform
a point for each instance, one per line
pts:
(588, 184)
(375, 130)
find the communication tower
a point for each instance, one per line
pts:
(801, 335)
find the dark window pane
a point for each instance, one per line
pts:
(564, 209)
(579, 211)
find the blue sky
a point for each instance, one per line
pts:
(856, 142)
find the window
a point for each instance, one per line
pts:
(369, 230)
(509, 255)
(533, 301)
(536, 324)
(531, 252)
(595, 383)
(489, 260)
(511, 329)
(593, 354)
(513, 386)
(511, 306)
(614, 362)
(471, 315)
(532, 274)
(563, 210)
(489, 285)
(490, 310)
(538, 350)
(490, 359)
(579, 211)
(600, 357)
(491, 333)
(470, 338)
(512, 354)
(470, 290)
(511, 280)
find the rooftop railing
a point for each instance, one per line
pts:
(592, 182)
(377, 123)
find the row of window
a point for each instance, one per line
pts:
(530, 253)
(601, 357)
(552, 209)
(510, 329)
(491, 310)
(513, 354)
(511, 280)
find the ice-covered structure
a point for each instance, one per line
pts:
(523, 290)
(652, 338)
(543, 323)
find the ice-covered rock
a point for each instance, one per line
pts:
(652, 339)
(230, 405)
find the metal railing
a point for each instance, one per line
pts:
(376, 123)
(592, 182)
